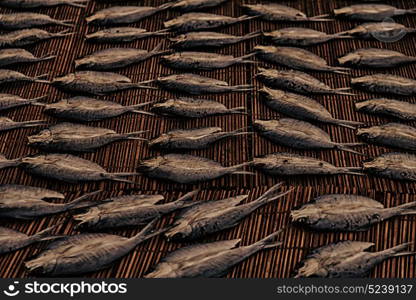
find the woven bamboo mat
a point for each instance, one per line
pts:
(124, 156)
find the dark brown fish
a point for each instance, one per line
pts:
(203, 60)
(12, 240)
(96, 83)
(129, 210)
(69, 168)
(384, 31)
(184, 168)
(209, 259)
(371, 12)
(301, 107)
(83, 253)
(124, 14)
(202, 21)
(388, 107)
(27, 202)
(299, 135)
(115, 58)
(24, 20)
(296, 58)
(375, 58)
(8, 101)
(8, 124)
(391, 135)
(297, 81)
(198, 138)
(399, 166)
(385, 84)
(208, 39)
(213, 216)
(121, 35)
(9, 76)
(42, 3)
(86, 109)
(194, 108)
(70, 137)
(198, 85)
(347, 259)
(339, 212)
(278, 12)
(190, 5)
(26, 37)
(289, 164)
(20, 56)
(300, 37)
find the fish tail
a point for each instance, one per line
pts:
(117, 177)
(246, 18)
(186, 200)
(165, 6)
(271, 195)
(142, 112)
(141, 85)
(134, 135)
(342, 91)
(238, 169)
(410, 11)
(9, 163)
(46, 235)
(397, 251)
(75, 203)
(339, 70)
(78, 3)
(38, 78)
(157, 50)
(32, 123)
(251, 35)
(38, 98)
(66, 23)
(147, 232)
(64, 33)
(270, 240)
(407, 208)
(160, 32)
(347, 123)
(321, 18)
(46, 57)
(241, 88)
(238, 110)
(345, 147)
(240, 131)
(352, 171)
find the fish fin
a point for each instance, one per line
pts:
(77, 201)
(345, 147)
(270, 240)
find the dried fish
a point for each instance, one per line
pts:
(129, 211)
(210, 217)
(8, 163)
(198, 138)
(296, 58)
(340, 212)
(278, 12)
(300, 135)
(194, 108)
(284, 164)
(347, 259)
(301, 107)
(12, 240)
(8, 124)
(184, 168)
(209, 259)
(399, 166)
(27, 20)
(296, 81)
(96, 83)
(391, 135)
(201, 21)
(88, 109)
(26, 37)
(8, 76)
(27, 202)
(203, 60)
(42, 3)
(17, 56)
(380, 30)
(385, 84)
(121, 35)
(85, 253)
(115, 58)
(371, 12)
(198, 85)
(8, 101)
(189, 5)
(69, 137)
(209, 39)
(124, 14)
(69, 168)
(388, 107)
(375, 58)
(299, 36)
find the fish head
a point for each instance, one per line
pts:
(312, 268)
(160, 141)
(42, 138)
(263, 49)
(264, 125)
(63, 80)
(306, 215)
(343, 11)
(180, 232)
(351, 59)
(41, 265)
(149, 165)
(366, 133)
(162, 107)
